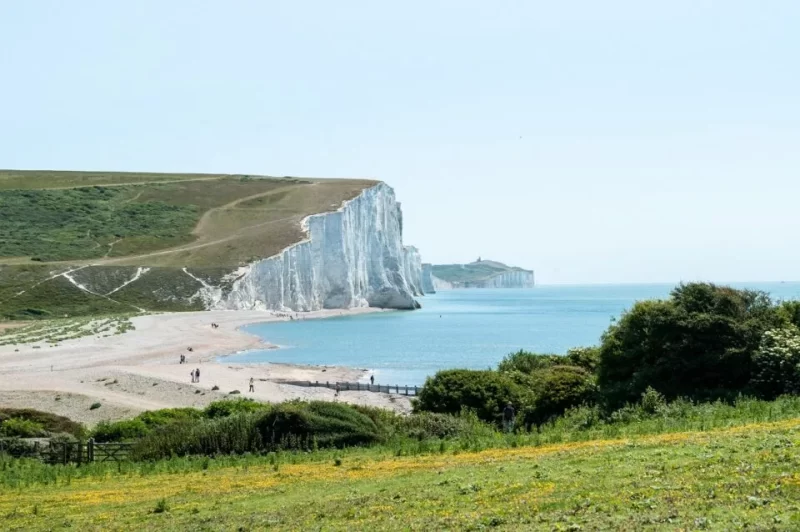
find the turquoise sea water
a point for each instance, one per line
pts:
(462, 329)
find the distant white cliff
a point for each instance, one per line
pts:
(480, 274)
(353, 257)
(427, 279)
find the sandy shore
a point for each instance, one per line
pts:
(140, 370)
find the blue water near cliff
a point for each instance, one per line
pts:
(462, 329)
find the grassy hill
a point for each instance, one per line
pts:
(474, 271)
(108, 224)
(741, 477)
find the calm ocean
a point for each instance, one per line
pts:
(462, 329)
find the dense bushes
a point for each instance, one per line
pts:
(21, 428)
(303, 425)
(146, 422)
(562, 387)
(485, 392)
(699, 344)
(50, 423)
(776, 364)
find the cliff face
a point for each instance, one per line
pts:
(480, 274)
(509, 279)
(353, 257)
(427, 279)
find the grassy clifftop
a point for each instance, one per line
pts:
(109, 224)
(474, 271)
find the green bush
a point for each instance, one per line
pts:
(166, 416)
(128, 429)
(562, 387)
(228, 407)
(50, 422)
(777, 363)
(698, 344)
(425, 425)
(297, 425)
(587, 358)
(234, 434)
(21, 428)
(485, 392)
(527, 363)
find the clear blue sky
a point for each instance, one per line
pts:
(614, 141)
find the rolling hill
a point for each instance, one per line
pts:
(97, 242)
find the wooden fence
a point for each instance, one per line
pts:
(67, 452)
(358, 387)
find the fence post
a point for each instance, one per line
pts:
(90, 450)
(406, 389)
(64, 452)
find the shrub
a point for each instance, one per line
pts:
(426, 425)
(21, 428)
(95, 406)
(227, 407)
(128, 429)
(697, 344)
(166, 416)
(50, 422)
(485, 392)
(297, 425)
(526, 362)
(563, 387)
(584, 357)
(777, 363)
(234, 434)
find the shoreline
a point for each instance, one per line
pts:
(140, 370)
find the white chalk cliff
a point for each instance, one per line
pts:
(427, 279)
(353, 257)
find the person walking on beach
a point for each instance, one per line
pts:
(252, 387)
(508, 418)
(372, 380)
(194, 378)
(336, 394)
(197, 375)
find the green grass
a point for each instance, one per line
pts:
(112, 223)
(86, 223)
(725, 479)
(38, 179)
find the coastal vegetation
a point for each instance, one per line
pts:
(704, 343)
(604, 437)
(715, 466)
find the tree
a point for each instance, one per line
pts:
(699, 344)
(777, 363)
(562, 387)
(485, 392)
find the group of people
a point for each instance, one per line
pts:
(195, 375)
(285, 315)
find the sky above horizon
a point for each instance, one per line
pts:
(594, 142)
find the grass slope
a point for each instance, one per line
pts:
(112, 223)
(475, 271)
(727, 479)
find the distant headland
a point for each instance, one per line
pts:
(478, 274)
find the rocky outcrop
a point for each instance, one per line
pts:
(353, 257)
(427, 279)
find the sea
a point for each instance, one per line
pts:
(472, 328)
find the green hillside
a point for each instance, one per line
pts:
(109, 224)
(474, 271)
